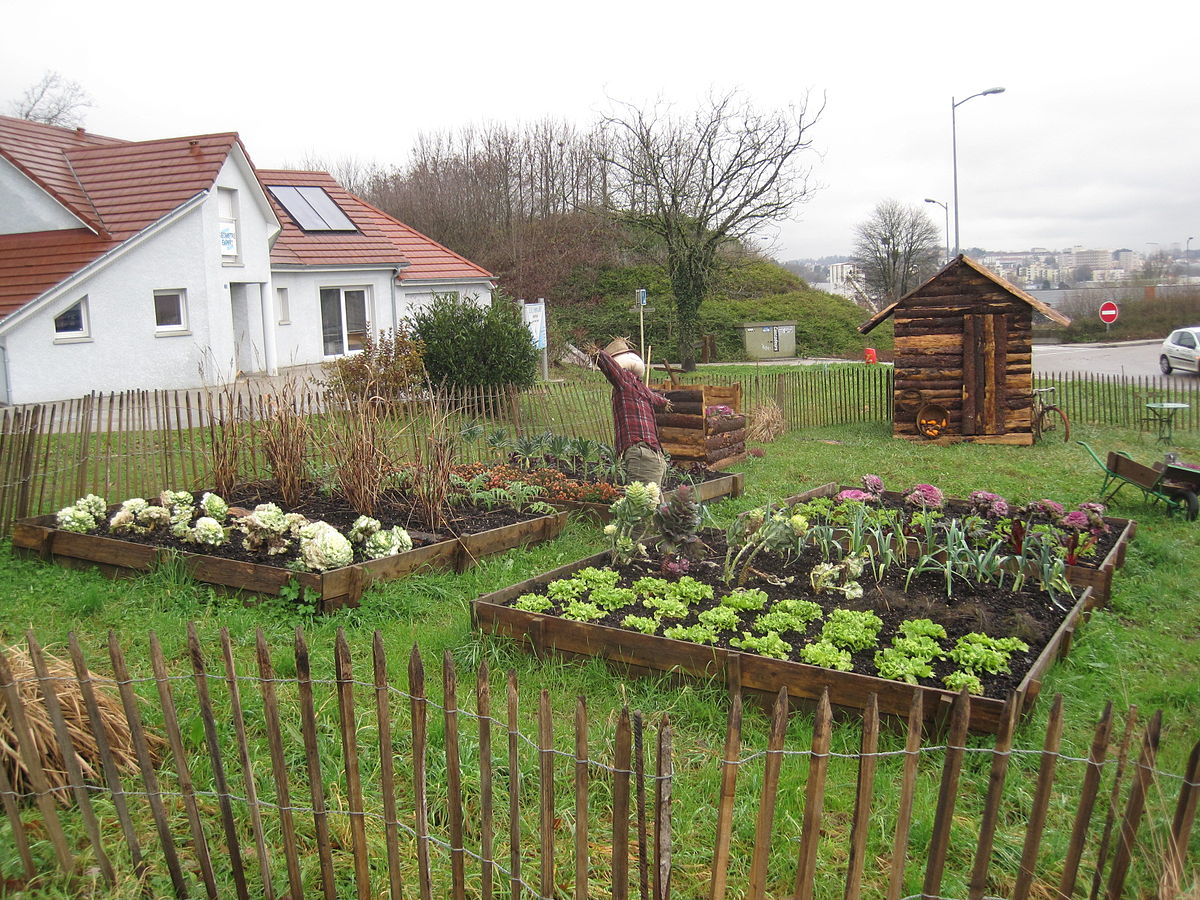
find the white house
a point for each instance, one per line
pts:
(175, 263)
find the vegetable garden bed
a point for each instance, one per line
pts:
(1095, 574)
(730, 484)
(337, 588)
(493, 613)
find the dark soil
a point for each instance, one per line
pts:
(395, 509)
(1029, 615)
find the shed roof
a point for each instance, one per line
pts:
(958, 262)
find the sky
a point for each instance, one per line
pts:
(1095, 141)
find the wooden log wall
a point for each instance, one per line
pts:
(692, 437)
(965, 344)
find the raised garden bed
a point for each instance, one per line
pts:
(337, 588)
(493, 613)
(729, 484)
(1096, 574)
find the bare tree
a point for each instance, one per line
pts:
(705, 181)
(53, 101)
(895, 249)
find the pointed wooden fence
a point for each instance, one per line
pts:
(141, 442)
(334, 781)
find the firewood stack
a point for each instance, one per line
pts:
(705, 425)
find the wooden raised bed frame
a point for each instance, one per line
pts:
(337, 588)
(757, 673)
(730, 484)
(1098, 578)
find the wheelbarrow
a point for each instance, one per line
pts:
(1173, 485)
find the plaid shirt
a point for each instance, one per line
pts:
(633, 406)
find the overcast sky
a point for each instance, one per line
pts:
(1096, 140)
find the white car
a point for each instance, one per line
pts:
(1181, 351)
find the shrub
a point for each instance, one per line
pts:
(467, 345)
(390, 365)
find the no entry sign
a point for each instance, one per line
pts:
(1109, 312)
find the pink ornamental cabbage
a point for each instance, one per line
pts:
(1075, 520)
(989, 505)
(873, 484)
(855, 494)
(925, 496)
(1045, 510)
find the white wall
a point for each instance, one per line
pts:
(412, 296)
(123, 350)
(25, 207)
(300, 343)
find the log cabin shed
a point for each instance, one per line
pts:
(964, 357)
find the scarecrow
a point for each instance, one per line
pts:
(636, 440)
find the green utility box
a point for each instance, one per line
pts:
(769, 340)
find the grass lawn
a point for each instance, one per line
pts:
(1143, 650)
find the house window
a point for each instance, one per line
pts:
(344, 320)
(72, 322)
(282, 306)
(170, 311)
(227, 216)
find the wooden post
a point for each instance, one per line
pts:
(1113, 802)
(581, 799)
(766, 804)
(939, 842)
(639, 788)
(387, 766)
(514, 790)
(483, 711)
(349, 734)
(453, 777)
(279, 769)
(1087, 802)
(308, 725)
(862, 802)
(1181, 827)
(1134, 806)
(908, 785)
(186, 787)
(664, 771)
(729, 772)
(1001, 753)
(620, 840)
(133, 719)
(1041, 799)
(546, 791)
(418, 703)
(814, 798)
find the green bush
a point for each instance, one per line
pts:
(467, 345)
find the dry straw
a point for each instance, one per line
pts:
(765, 422)
(79, 727)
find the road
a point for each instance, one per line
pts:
(1133, 358)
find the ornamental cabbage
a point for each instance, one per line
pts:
(387, 542)
(363, 528)
(214, 507)
(208, 531)
(323, 547)
(76, 518)
(92, 505)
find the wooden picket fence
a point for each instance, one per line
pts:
(141, 442)
(345, 785)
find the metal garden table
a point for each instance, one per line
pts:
(1164, 417)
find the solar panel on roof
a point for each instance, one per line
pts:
(311, 208)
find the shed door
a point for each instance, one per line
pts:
(985, 367)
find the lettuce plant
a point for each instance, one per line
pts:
(651, 587)
(667, 607)
(582, 611)
(595, 578)
(893, 663)
(612, 598)
(534, 603)
(688, 590)
(827, 655)
(719, 617)
(565, 590)
(697, 634)
(644, 624)
(770, 644)
(852, 629)
(960, 678)
(745, 598)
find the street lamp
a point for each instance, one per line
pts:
(946, 210)
(954, 144)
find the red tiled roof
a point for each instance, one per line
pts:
(294, 246)
(134, 185)
(40, 152)
(33, 263)
(380, 233)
